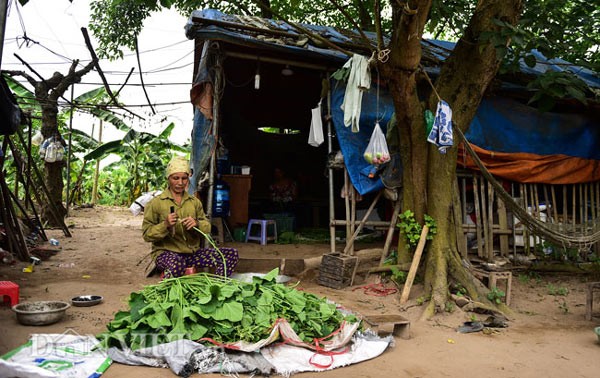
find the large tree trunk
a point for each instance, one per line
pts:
(53, 212)
(463, 80)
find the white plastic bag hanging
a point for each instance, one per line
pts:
(315, 136)
(377, 151)
(50, 156)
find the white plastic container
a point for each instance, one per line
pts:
(245, 169)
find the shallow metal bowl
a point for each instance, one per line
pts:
(247, 277)
(86, 300)
(40, 312)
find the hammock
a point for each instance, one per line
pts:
(581, 236)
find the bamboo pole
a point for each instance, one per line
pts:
(536, 208)
(415, 265)
(490, 241)
(581, 205)
(477, 216)
(586, 187)
(549, 205)
(484, 218)
(565, 212)
(554, 207)
(526, 244)
(330, 178)
(347, 203)
(352, 217)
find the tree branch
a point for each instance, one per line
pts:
(351, 20)
(88, 43)
(137, 54)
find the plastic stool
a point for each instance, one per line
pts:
(264, 225)
(11, 290)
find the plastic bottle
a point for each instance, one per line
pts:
(54, 242)
(221, 199)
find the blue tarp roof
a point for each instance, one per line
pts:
(279, 35)
(501, 124)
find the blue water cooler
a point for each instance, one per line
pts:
(220, 206)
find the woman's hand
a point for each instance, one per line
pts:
(189, 223)
(171, 220)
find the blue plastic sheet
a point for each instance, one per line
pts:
(354, 144)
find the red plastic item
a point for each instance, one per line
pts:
(9, 291)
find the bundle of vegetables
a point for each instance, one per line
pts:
(222, 309)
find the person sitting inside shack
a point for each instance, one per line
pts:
(172, 223)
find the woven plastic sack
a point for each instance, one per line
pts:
(377, 151)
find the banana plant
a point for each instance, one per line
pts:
(144, 156)
(91, 102)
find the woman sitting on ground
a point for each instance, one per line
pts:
(170, 222)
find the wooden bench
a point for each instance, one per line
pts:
(493, 278)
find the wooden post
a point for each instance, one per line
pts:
(350, 243)
(415, 264)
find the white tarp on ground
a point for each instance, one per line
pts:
(186, 357)
(51, 355)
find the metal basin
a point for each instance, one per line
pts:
(86, 300)
(41, 312)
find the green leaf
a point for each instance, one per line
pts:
(297, 300)
(136, 304)
(196, 330)
(326, 310)
(159, 319)
(104, 150)
(576, 94)
(272, 275)
(232, 311)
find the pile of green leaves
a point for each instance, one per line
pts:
(225, 310)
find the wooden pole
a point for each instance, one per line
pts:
(350, 243)
(415, 264)
(97, 172)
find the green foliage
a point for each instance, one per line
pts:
(523, 278)
(228, 310)
(557, 85)
(557, 291)
(421, 300)
(411, 229)
(495, 295)
(550, 251)
(116, 23)
(398, 276)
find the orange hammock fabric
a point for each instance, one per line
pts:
(532, 168)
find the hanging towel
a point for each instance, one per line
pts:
(315, 136)
(359, 80)
(441, 132)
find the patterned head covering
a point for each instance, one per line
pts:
(178, 164)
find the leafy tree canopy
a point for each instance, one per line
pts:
(569, 29)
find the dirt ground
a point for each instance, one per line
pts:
(547, 334)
